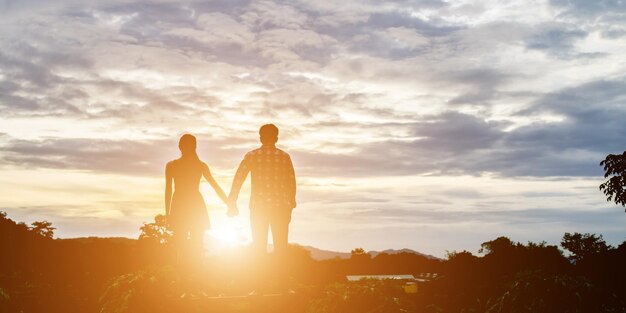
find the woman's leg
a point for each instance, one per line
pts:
(178, 246)
(195, 245)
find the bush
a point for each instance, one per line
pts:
(362, 297)
(533, 292)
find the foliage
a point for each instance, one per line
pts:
(583, 245)
(357, 252)
(453, 255)
(43, 228)
(143, 291)
(615, 170)
(498, 245)
(4, 298)
(365, 297)
(360, 255)
(156, 232)
(533, 292)
(69, 275)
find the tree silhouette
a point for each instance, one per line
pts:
(615, 170)
(583, 245)
(157, 231)
(356, 252)
(43, 228)
(499, 245)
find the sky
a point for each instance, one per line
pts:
(431, 125)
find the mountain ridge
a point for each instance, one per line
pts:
(316, 253)
(321, 254)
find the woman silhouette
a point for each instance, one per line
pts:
(186, 211)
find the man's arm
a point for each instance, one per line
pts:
(168, 189)
(291, 177)
(240, 177)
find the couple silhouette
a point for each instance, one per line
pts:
(272, 199)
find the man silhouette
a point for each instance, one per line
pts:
(273, 194)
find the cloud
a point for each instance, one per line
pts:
(556, 40)
(87, 154)
(316, 67)
(459, 143)
(446, 143)
(481, 84)
(591, 8)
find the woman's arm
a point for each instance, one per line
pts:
(220, 193)
(168, 189)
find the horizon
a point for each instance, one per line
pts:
(431, 125)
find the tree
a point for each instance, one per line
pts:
(583, 245)
(43, 228)
(462, 255)
(615, 170)
(500, 244)
(156, 231)
(357, 251)
(360, 255)
(360, 262)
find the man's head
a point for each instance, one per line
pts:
(269, 134)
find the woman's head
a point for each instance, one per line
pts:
(187, 145)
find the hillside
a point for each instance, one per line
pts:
(320, 254)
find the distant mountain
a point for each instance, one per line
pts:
(393, 251)
(120, 240)
(320, 254)
(316, 253)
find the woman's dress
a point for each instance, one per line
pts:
(188, 211)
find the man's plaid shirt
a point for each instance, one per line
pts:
(273, 178)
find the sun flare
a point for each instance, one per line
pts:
(226, 234)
